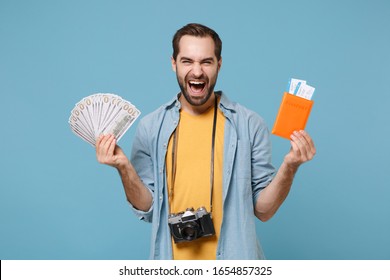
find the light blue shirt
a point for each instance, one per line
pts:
(247, 170)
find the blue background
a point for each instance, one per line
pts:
(57, 202)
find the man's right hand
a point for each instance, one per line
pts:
(108, 152)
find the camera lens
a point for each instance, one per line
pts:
(190, 231)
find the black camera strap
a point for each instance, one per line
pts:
(174, 157)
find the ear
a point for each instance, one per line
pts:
(173, 62)
(219, 64)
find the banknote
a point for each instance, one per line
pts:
(102, 113)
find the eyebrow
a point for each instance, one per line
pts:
(203, 60)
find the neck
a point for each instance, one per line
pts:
(197, 110)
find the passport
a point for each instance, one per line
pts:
(293, 114)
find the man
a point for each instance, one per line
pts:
(202, 150)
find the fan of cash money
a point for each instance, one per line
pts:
(102, 113)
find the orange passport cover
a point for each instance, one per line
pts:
(293, 114)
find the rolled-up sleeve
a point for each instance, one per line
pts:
(141, 159)
(262, 169)
(142, 215)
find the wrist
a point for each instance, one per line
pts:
(124, 168)
(290, 166)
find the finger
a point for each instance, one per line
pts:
(99, 145)
(311, 148)
(111, 147)
(102, 140)
(295, 149)
(309, 141)
(102, 147)
(98, 140)
(301, 144)
(106, 143)
(298, 139)
(304, 141)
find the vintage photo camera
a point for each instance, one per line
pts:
(191, 225)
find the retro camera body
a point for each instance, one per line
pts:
(190, 225)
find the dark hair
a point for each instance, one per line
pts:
(197, 30)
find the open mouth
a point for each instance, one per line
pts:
(197, 86)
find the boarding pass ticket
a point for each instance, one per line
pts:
(300, 88)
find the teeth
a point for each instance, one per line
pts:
(196, 83)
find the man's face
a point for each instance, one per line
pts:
(196, 68)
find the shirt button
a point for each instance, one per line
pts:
(161, 197)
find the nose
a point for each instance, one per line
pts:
(197, 70)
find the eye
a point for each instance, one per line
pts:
(207, 62)
(186, 61)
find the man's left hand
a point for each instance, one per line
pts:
(302, 149)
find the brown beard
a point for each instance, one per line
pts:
(197, 101)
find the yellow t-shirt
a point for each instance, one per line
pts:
(192, 181)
